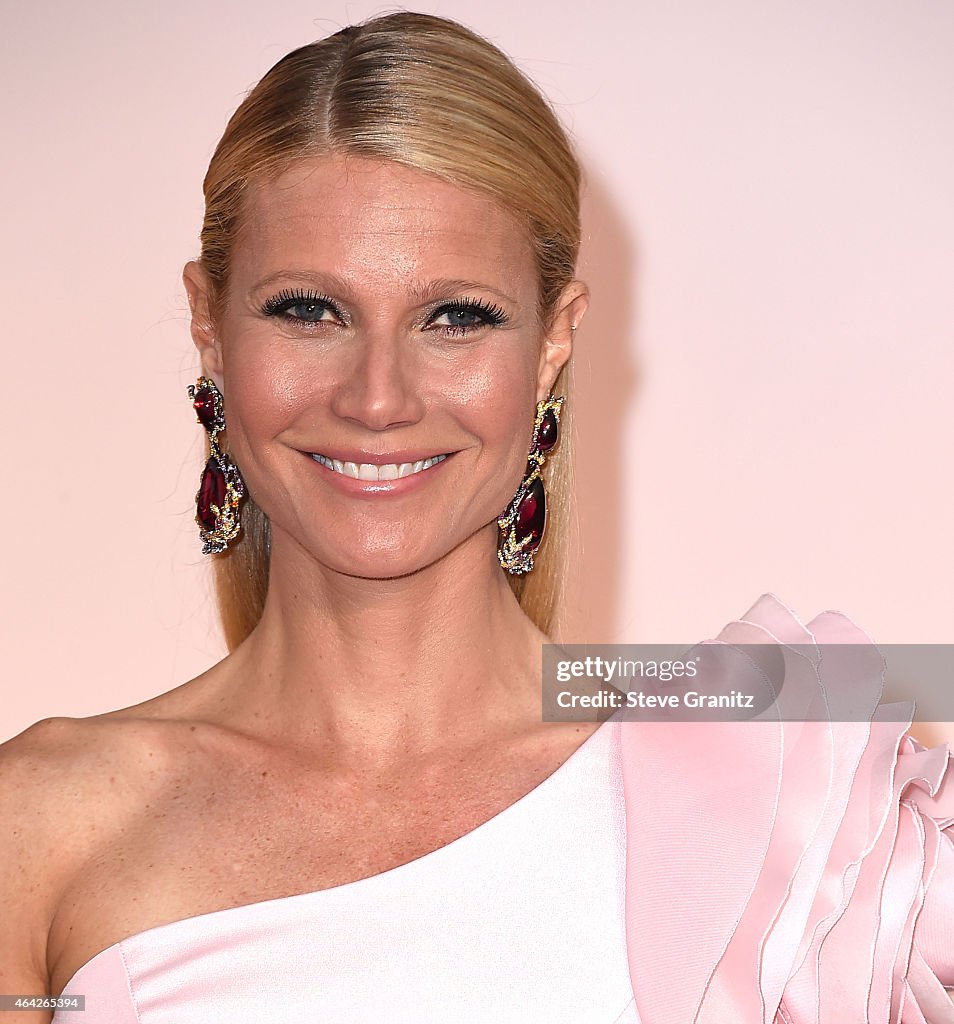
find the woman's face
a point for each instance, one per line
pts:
(377, 317)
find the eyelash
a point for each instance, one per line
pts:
(278, 304)
(490, 313)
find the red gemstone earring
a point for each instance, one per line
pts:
(221, 490)
(522, 525)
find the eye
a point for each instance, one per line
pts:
(466, 315)
(304, 307)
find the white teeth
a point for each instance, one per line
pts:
(370, 471)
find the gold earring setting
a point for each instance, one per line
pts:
(522, 524)
(222, 488)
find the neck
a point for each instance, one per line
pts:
(382, 667)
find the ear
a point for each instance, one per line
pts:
(558, 343)
(197, 287)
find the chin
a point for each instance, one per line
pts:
(390, 551)
(397, 558)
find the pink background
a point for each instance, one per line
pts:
(765, 372)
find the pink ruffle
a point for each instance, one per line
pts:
(796, 872)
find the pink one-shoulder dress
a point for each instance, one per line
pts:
(796, 871)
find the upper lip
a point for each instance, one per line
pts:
(359, 456)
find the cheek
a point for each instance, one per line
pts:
(494, 396)
(267, 386)
(497, 406)
(477, 384)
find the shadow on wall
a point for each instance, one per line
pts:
(606, 386)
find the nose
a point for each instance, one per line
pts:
(380, 386)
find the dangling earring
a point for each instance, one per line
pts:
(522, 525)
(222, 488)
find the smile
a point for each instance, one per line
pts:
(370, 471)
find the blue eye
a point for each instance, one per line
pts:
(466, 315)
(306, 307)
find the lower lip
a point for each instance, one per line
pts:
(379, 488)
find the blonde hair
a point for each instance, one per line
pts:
(430, 94)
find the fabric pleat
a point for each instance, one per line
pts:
(797, 868)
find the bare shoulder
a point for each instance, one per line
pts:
(67, 785)
(64, 780)
(60, 766)
(54, 763)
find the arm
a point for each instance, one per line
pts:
(29, 860)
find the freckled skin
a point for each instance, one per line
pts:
(370, 235)
(366, 720)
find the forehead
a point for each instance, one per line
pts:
(373, 220)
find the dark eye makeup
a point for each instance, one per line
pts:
(305, 306)
(465, 315)
(310, 307)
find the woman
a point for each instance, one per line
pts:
(359, 812)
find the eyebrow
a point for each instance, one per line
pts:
(422, 291)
